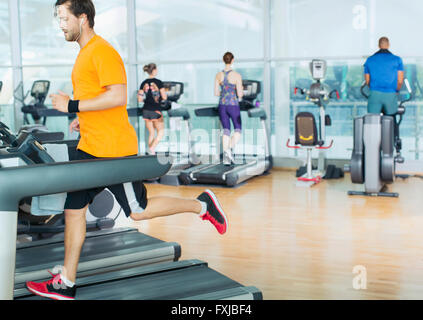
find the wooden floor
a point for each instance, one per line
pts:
(300, 243)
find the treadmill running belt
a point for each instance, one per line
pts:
(178, 280)
(100, 253)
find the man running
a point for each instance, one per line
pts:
(99, 86)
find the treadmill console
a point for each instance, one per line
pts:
(40, 89)
(252, 89)
(174, 90)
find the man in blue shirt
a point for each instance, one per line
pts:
(384, 74)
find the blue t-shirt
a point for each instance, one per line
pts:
(383, 68)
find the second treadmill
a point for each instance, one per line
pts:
(246, 166)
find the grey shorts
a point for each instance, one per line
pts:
(150, 115)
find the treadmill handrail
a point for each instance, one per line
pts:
(207, 112)
(179, 113)
(73, 176)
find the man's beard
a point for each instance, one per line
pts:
(71, 36)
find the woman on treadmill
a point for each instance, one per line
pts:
(228, 86)
(152, 93)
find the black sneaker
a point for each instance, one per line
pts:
(214, 212)
(53, 288)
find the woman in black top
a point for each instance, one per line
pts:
(152, 93)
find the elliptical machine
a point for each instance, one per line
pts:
(306, 134)
(373, 160)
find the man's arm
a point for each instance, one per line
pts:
(367, 78)
(115, 96)
(400, 80)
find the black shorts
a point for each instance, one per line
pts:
(151, 115)
(124, 196)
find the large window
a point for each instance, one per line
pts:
(199, 30)
(303, 30)
(332, 28)
(188, 38)
(59, 78)
(43, 42)
(4, 34)
(346, 77)
(6, 97)
(198, 79)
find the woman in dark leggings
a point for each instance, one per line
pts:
(228, 86)
(152, 92)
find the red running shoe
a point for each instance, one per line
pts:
(214, 212)
(53, 288)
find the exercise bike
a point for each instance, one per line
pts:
(307, 137)
(373, 160)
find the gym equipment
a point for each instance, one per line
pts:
(182, 280)
(246, 166)
(176, 280)
(375, 138)
(180, 160)
(39, 93)
(38, 110)
(174, 91)
(306, 134)
(56, 178)
(28, 148)
(103, 251)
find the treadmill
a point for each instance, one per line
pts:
(182, 280)
(180, 160)
(246, 166)
(103, 251)
(175, 280)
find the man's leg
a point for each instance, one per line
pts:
(62, 285)
(206, 207)
(166, 206)
(390, 103)
(374, 104)
(133, 199)
(75, 231)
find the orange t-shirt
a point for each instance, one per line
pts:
(108, 132)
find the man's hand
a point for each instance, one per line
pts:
(60, 101)
(74, 126)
